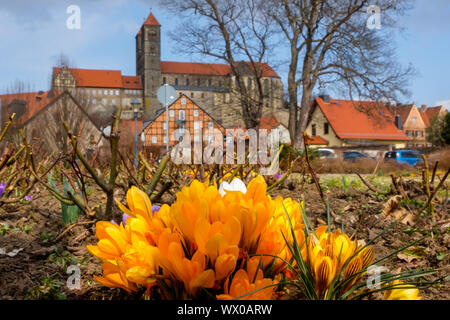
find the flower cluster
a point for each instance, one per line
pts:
(333, 256)
(224, 240)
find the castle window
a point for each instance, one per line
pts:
(105, 92)
(196, 125)
(165, 139)
(111, 92)
(176, 81)
(187, 81)
(154, 139)
(117, 92)
(210, 125)
(152, 33)
(94, 101)
(203, 95)
(171, 113)
(209, 83)
(113, 102)
(104, 101)
(195, 113)
(88, 91)
(181, 115)
(192, 94)
(313, 130)
(94, 92)
(164, 80)
(165, 125)
(183, 102)
(153, 51)
(198, 82)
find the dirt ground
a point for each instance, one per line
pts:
(33, 265)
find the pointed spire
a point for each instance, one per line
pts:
(151, 21)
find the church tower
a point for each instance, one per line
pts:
(148, 63)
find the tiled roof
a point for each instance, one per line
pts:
(268, 122)
(214, 69)
(370, 121)
(403, 112)
(433, 112)
(101, 78)
(151, 21)
(131, 82)
(316, 140)
(425, 118)
(34, 102)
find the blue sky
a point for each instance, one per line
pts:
(34, 33)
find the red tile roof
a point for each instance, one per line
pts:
(316, 140)
(370, 121)
(131, 82)
(268, 122)
(403, 112)
(101, 78)
(34, 102)
(151, 21)
(214, 69)
(425, 118)
(433, 111)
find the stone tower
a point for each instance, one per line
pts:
(148, 63)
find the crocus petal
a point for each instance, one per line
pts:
(124, 219)
(2, 188)
(235, 185)
(155, 208)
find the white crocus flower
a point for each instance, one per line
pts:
(235, 185)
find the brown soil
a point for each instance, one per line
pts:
(25, 275)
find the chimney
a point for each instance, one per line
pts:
(325, 98)
(423, 107)
(398, 122)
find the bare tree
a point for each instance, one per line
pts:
(230, 31)
(331, 46)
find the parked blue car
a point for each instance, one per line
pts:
(411, 157)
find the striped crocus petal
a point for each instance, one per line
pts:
(28, 198)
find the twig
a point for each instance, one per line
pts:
(435, 191)
(71, 227)
(370, 186)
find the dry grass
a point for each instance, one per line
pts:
(443, 156)
(362, 166)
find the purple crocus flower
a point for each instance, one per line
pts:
(114, 222)
(2, 188)
(124, 219)
(155, 209)
(125, 216)
(28, 198)
(278, 176)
